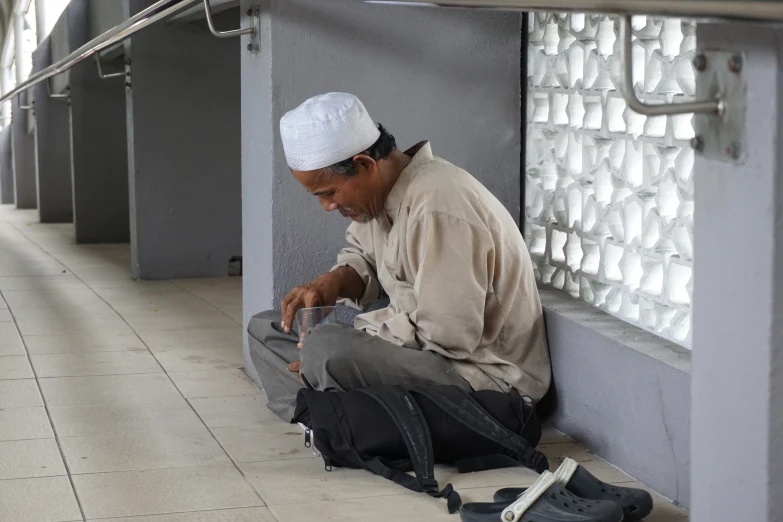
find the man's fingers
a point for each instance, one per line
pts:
(294, 366)
(311, 299)
(289, 309)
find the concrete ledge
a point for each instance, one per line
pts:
(622, 392)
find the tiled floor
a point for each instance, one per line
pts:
(126, 401)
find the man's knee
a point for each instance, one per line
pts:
(323, 360)
(261, 325)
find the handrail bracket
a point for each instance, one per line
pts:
(719, 106)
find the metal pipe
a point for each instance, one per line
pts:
(665, 109)
(224, 34)
(750, 10)
(26, 107)
(157, 11)
(62, 96)
(101, 74)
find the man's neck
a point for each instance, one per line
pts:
(397, 161)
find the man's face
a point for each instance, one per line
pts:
(355, 197)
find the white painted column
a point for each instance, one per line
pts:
(737, 387)
(18, 21)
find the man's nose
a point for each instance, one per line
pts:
(329, 205)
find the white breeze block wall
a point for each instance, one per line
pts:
(609, 193)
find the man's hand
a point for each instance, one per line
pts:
(321, 292)
(324, 291)
(294, 368)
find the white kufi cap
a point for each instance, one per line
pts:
(325, 130)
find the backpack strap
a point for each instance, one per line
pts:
(408, 417)
(461, 406)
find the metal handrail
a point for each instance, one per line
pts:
(157, 11)
(714, 106)
(101, 74)
(25, 107)
(224, 34)
(62, 96)
(751, 10)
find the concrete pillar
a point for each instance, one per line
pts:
(443, 75)
(737, 386)
(52, 147)
(7, 195)
(184, 148)
(23, 146)
(98, 142)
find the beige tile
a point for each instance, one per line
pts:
(19, 393)
(76, 296)
(3, 304)
(83, 342)
(271, 441)
(305, 480)
(39, 282)
(48, 499)
(94, 419)
(549, 434)
(141, 450)
(107, 390)
(258, 514)
(399, 508)
(559, 451)
(43, 321)
(163, 491)
(170, 304)
(15, 367)
(213, 383)
(508, 477)
(5, 316)
(178, 320)
(162, 340)
(120, 291)
(209, 283)
(199, 359)
(10, 340)
(24, 423)
(98, 363)
(242, 410)
(30, 458)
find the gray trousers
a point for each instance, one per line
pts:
(337, 358)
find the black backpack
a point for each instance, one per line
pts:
(390, 430)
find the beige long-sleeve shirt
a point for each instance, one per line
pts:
(458, 275)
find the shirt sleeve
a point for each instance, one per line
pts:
(452, 261)
(361, 257)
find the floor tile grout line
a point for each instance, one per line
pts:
(124, 517)
(32, 478)
(49, 418)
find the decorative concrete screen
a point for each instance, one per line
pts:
(609, 193)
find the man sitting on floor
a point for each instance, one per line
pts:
(464, 309)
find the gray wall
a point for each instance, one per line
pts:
(184, 149)
(52, 148)
(98, 142)
(6, 168)
(622, 392)
(450, 76)
(105, 14)
(23, 146)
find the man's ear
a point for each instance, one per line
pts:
(365, 163)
